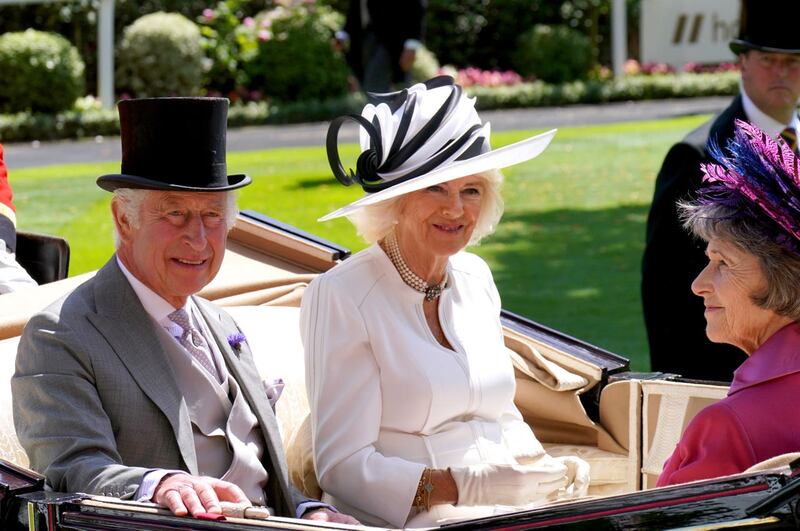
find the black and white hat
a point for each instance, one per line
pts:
(427, 134)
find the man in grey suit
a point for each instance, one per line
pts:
(133, 387)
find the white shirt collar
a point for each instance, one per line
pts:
(155, 305)
(765, 122)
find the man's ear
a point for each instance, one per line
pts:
(121, 221)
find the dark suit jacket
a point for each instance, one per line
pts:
(673, 258)
(393, 21)
(96, 404)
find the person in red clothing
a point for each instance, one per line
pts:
(13, 276)
(749, 213)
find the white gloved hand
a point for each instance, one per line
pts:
(487, 484)
(577, 476)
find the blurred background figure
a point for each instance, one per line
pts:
(13, 276)
(768, 47)
(381, 39)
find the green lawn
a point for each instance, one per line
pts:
(566, 254)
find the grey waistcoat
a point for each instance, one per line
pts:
(227, 440)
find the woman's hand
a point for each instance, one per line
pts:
(577, 475)
(487, 484)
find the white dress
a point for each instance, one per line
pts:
(387, 400)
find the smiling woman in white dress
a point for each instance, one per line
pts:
(410, 385)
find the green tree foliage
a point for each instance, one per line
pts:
(537, 48)
(484, 33)
(42, 72)
(294, 58)
(225, 40)
(478, 33)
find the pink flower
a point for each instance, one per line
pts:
(487, 78)
(657, 68)
(209, 14)
(249, 22)
(631, 67)
(264, 35)
(697, 68)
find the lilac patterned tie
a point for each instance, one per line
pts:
(193, 341)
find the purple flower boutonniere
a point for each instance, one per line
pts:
(236, 340)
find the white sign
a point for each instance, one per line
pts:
(677, 32)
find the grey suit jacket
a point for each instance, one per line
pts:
(96, 404)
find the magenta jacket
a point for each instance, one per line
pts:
(758, 419)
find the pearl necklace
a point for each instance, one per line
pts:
(408, 276)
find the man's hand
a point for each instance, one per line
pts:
(184, 494)
(326, 515)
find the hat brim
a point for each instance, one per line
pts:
(113, 181)
(739, 46)
(503, 157)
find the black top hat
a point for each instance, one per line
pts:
(173, 144)
(768, 27)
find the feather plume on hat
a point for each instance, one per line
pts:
(757, 179)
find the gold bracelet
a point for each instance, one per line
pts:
(422, 498)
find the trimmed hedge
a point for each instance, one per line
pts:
(25, 126)
(92, 122)
(42, 72)
(540, 94)
(160, 55)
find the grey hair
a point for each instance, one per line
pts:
(130, 204)
(780, 266)
(374, 222)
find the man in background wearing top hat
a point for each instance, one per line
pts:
(768, 47)
(129, 386)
